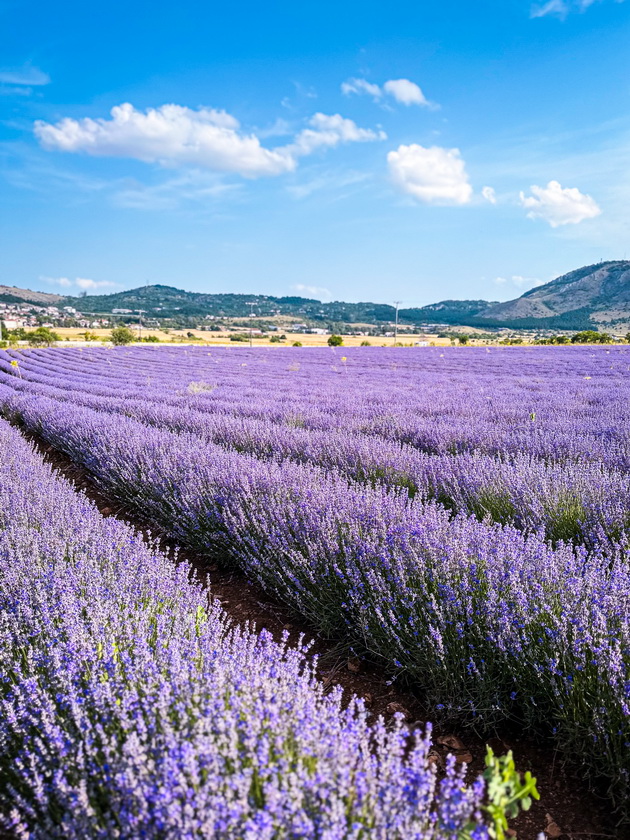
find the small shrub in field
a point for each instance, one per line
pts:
(42, 337)
(297, 344)
(121, 335)
(335, 340)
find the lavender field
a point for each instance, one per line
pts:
(459, 516)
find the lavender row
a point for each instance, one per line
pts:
(131, 709)
(492, 623)
(570, 407)
(583, 503)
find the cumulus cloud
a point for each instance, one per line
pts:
(170, 135)
(402, 90)
(173, 135)
(432, 175)
(489, 194)
(406, 92)
(318, 292)
(559, 206)
(83, 283)
(328, 131)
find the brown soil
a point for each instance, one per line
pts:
(567, 808)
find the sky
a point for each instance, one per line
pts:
(409, 152)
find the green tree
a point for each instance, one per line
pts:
(365, 344)
(42, 337)
(4, 332)
(591, 337)
(297, 344)
(463, 339)
(18, 334)
(121, 335)
(335, 340)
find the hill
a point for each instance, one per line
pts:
(169, 302)
(446, 312)
(593, 296)
(12, 294)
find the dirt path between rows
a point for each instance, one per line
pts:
(567, 808)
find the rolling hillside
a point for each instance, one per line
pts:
(168, 302)
(589, 297)
(595, 295)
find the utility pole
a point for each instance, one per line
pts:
(251, 304)
(397, 304)
(140, 311)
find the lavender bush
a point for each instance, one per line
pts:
(494, 622)
(130, 708)
(564, 499)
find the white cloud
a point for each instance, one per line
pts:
(170, 135)
(360, 86)
(318, 292)
(433, 175)
(81, 282)
(403, 91)
(406, 92)
(26, 75)
(559, 206)
(489, 194)
(57, 281)
(173, 135)
(328, 131)
(86, 283)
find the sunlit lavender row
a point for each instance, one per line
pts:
(494, 622)
(129, 708)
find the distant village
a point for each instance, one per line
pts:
(15, 315)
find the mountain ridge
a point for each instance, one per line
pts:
(593, 296)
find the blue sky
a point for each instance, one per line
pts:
(356, 151)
